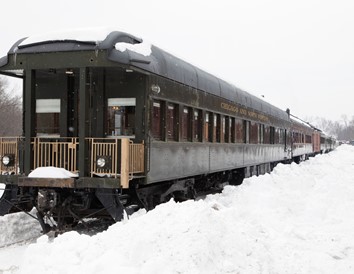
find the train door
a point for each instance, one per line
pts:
(56, 105)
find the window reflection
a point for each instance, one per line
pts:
(121, 116)
(156, 120)
(185, 128)
(47, 117)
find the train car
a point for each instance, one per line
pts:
(302, 140)
(327, 142)
(132, 125)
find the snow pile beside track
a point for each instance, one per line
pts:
(18, 227)
(298, 219)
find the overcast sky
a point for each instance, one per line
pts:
(297, 54)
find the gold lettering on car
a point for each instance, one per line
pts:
(245, 112)
(229, 107)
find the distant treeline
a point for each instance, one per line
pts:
(10, 111)
(342, 130)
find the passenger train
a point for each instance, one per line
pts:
(133, 126)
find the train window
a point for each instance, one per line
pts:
(232, 130)
(121, 116)
(211, 127)
(185, 126)
(272, 135)
(276, 136)
(206, 127)
(266, 137)
(223, 129)
(240, 131)
(47, 117)
(215, 124)
(171, 122)
(156, 120)
(308, 139)
(197, 124)
(227, 129)
(282, 136)
(246, 135)
(261, 134)
(254, 133)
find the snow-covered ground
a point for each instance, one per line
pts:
(298, 219)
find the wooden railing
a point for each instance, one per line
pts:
(108, 150)
(56, 152)
(9, 146)
(122, 158)
(136, 158)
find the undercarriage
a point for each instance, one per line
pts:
(62, 209)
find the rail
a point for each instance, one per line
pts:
(9, 146)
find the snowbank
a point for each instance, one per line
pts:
(298, 219)
(18, 227)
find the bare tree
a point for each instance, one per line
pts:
(10, 110)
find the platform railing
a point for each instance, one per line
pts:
(136, 158)
(9, 146)
(108, 150)
(116, 157)
(109, 157)
(56, 152)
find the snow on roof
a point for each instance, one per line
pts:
(141, 48)
(51, 172)
(300, 121)
(84, 35)
(94, 35)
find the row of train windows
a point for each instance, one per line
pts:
(301, 138)
(172, 122)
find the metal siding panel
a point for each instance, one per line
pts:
(224, 157)
(169, 161)
(256, 154)
(302, 149)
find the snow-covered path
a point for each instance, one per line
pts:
(298, 219)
